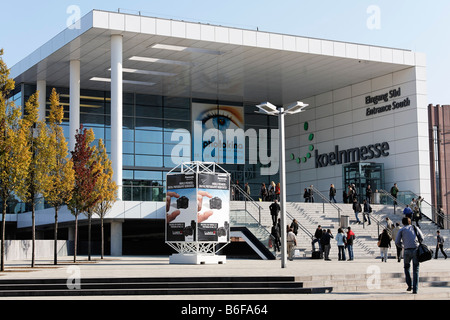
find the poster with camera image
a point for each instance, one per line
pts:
(197, 207)
(214, 211)
(181, 208)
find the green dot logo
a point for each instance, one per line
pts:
(310, 147)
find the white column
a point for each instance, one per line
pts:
(74, 101)
(283, 189)
(116, 238)
(116, 110)
(41, 86)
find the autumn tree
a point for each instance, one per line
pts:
(15, 155)
(36, 178)
(84, 166)
(61, 174)
(105, 187)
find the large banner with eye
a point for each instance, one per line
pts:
(218, 133)
(197, 207)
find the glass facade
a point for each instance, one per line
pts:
(148, 124)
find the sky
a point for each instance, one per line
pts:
(420, 26)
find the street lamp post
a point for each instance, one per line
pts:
(270, 109)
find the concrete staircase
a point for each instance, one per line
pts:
(157, 286)
(310, 215)
(365, 282)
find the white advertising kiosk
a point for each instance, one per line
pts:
(197, 212)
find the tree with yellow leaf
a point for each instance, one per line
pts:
(36, 178)
(61, 174)
(105, 187)
(15, 155)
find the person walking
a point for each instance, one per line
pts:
(357, 209)
(394, 236)
(332, 193)
(275, 232)
(341, 240)
(306, 195)
(408, 237)
(367, 211)
(384, 243)
(291, 243)
(311, 193)
(263, 193)
(274, 211)
(440, 245)
(294, 226)
(394, 193)
(408, 212)
(278, 191)
(350, 238)
(369, 193)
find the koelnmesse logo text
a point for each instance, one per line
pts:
(372, 151)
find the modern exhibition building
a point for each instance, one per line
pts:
(160, 92)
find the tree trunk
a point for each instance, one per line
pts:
(89, 236)
(55, 253)
(3, 236)
(33, 234)
(76, 238)
(103, 238)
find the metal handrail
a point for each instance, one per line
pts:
(247, 198)
(325, 199)
(300, 226)
(435, 213)
(395, 200)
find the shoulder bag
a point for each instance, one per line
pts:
(423, 252)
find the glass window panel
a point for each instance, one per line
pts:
(148, 175)
(176, 140)
(148, 136)
(128, 147)
(169, 147)
(128, 134)
(171, 102)
(149, 111)
(149, 148)
(177, 113)
(149, 161)
(148, 100)
(149, 124)
(169, 161)
(128, 123)
(128, 110)
(177, 124)
(128, 160)
(92, 120)
(127, 174)
(128, 98)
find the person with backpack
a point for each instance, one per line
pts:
(409, 236)
(350, 238)
(384, 243)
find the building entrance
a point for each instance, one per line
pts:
(363, 174)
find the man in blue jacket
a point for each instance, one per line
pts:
(408, 237)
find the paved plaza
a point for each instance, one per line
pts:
(338, 273)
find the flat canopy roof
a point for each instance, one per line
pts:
(177, 58)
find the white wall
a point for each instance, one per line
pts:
(339, 118)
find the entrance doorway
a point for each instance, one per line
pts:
(362, 174)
